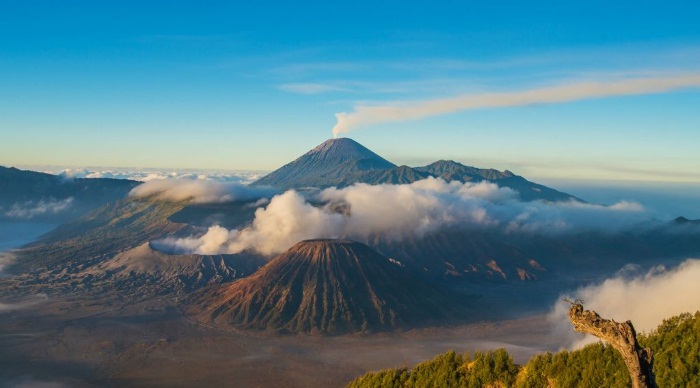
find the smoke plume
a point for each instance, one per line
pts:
(210, 243)
(199, 191)
(400, 211)
(364, 115)
(645, 298)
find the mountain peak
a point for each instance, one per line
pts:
(342, 149)
(327, 162)
(335, 143)
(327, 286)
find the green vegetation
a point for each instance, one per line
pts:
(676, 347)
(492, 368)
(675, 343)
(595, 365)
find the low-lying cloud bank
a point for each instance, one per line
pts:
(149, 174)
(645, 298)
(199, 191)
(31, 209)
(400, 211)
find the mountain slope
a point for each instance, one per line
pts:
(138, 268)
(463, 255)
(108, 253)
(529, 191)
(25, 190)
(327, 286)
(324, 165)
(113, 228)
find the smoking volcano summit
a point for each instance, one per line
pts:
(329, 164)
(342, 162)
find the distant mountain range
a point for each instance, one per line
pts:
(342, 162)
(23, 194)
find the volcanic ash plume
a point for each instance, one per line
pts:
(364, 115)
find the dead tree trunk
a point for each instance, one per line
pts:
(620, 336)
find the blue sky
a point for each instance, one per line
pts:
(236, 85)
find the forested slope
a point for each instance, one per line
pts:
(675, 343)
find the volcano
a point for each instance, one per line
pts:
(330, 287)
(343, 162)
(329, 164)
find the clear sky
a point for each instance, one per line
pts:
(252, 85)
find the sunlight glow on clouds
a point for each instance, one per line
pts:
(400, 211)
(645, 298)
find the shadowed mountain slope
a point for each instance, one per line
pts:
(21, 189)
(327, 286)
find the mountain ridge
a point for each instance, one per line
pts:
(27, 189)
(342, 162)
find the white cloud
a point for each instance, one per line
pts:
(397, 211)
(31, 209)
(149, 174)
(646, 299)
(199, 191)
(364, 115)
(208, 244)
